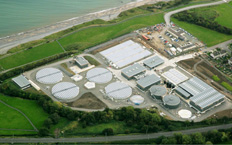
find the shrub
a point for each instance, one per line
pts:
(227, 86)
(216, 78)
(108, 131)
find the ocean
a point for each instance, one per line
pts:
(22, 15)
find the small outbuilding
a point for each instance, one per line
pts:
(148, 81)
(81, 62)
(22, 82)
(182, 92)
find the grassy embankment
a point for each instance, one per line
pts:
(208, 36)
(11, 119)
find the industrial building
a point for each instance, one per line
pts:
(133, 70)
(99, 75)
(81, 62)
(65, 91)
(125, 53)
(182, 93)
(118, 90)
(158, 91)
(174, 76)
(146, 82)
(203, 95)
(22, 82)
(153, 62)
(171, 101)
(49, 76)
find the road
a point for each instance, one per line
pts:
(168, 15)
(223, 45)
(110, 138)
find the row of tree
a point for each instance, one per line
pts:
(192, 17)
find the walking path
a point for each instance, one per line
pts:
(35, 129)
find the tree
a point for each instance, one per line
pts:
(186, 139)
(55, 118)
(170, 140)
(43, 131)
(179, 138)
(47, 123)
(209, 143)
(108, 131)
(198, 138)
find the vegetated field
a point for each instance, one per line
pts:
(30, 55)
(88, 101)
(118, 127)
(29, 107)
(92, 61)
(208, 36)
(12, 119)
(96, 35)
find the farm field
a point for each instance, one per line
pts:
(29, 107)
(30, 55)
(208, 36)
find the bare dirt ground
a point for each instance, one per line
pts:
(88, 101)
(227, 113)
(189, 63)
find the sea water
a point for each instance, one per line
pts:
(22, 15)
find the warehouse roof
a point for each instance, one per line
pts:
(153, 62)
(207, 97)
(21, 81)
(81, 60)
(125, 53)
(148, 80)
(133, 70)
(183, 92)
(175, 76)
(194, 86)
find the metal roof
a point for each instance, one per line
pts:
(148, 80)
(99, 75)
(65, 91)
(21, 81)
(118, 90)
(49, 76)
(133, 70)
(81, 60)
(153, 62)
(125, 53)
(174, 76)
(171, 100)
(158, 90)
(207, 98)
(194, 86)
(183, 92)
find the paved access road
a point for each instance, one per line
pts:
(110, 138)
(169, 14)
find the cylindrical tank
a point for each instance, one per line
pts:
(171, 101)
(158, 91)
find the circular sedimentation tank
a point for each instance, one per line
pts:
(158, 91)
(65, 91)
(185, 114)
(171, 101)
(49, 76)
(99, 75)
(118, 90)
(137, 99)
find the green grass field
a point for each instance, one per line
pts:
(33, 111)
(208, 36)
(30, 55)
(12, 119)
(93, 36)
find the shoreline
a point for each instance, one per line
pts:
(8, 42)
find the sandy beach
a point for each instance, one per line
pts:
(9, 42)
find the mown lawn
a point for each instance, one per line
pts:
(30, 55)
(33, 111)
(208, 36)
(93, 36)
